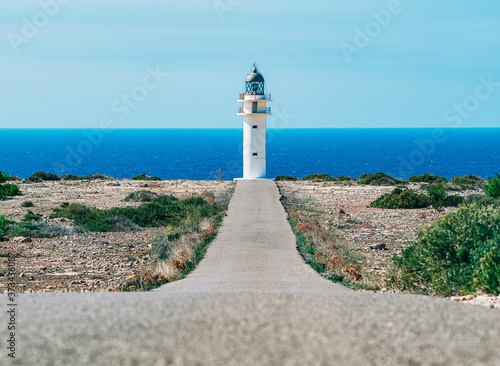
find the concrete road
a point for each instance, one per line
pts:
(252, 301)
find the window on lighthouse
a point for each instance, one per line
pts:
(254, 154)
(254, 107)
(254, 126)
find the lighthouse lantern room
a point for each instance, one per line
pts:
(254, 112)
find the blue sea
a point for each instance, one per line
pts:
(204, 153)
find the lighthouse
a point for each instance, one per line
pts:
(254, 112)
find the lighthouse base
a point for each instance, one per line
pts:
(254, 168)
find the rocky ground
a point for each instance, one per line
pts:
(103, 261)
(376, 233)
(89, 261)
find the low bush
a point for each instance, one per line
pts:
(319, 178)
(439, 197)
(401, 198)
(9, 190)
(492, 189)
(122, 223)
(407, 198)
(27, 229)
(345, 178)
(437, 194)
(285, 177)
(30, 216)
(4, 177)
(476, 197)
(27, 204)
(95, 177)
(69, 177)
(42, 176)
(59, 230)
(12, 229)
(4, 226)
(141, 196)
(145, 177)
(464, 183)
(458, 254)
(162, 211)
(453, 201)
(73, 177)
(379, 179)
(427, 178)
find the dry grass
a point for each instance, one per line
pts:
(328, 253)
(177, 251)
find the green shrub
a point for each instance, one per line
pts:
(427, 178)
(166, 210)
(30, 216)
(492, 189)
(319, 177)
(31, 229)
(464, 183)
(42, 176)
(27, 204)
(72, 211)
(379, 179)
(439, 198)
(145, 177)
(95, 177)
(141, 196)
(437, 194)
(4, 226)
(457, 254)
(27, 229)
(453, 201)
(69, 177)
(486, 261)
(401, 198)
(285, 177)
(9, 190)
(4, 177)
(345, 178)
(475, 197)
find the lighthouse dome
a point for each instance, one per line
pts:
(255, 76)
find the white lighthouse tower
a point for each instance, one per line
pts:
(254, 112)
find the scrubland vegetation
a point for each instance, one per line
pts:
(7, 190)
(176, 231)
(456, 255)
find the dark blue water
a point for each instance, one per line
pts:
(200, 154)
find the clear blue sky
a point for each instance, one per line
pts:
(75, 62)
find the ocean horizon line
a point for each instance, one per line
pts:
(239, 128)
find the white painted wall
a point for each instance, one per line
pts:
(254, 139)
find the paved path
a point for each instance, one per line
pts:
(252, 301)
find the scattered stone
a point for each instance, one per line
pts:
(22, 239)
(461, 298)
(378, 246)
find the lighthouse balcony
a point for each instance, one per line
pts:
(245, 112)
(244, 97)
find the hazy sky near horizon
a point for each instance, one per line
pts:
(342, 63)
